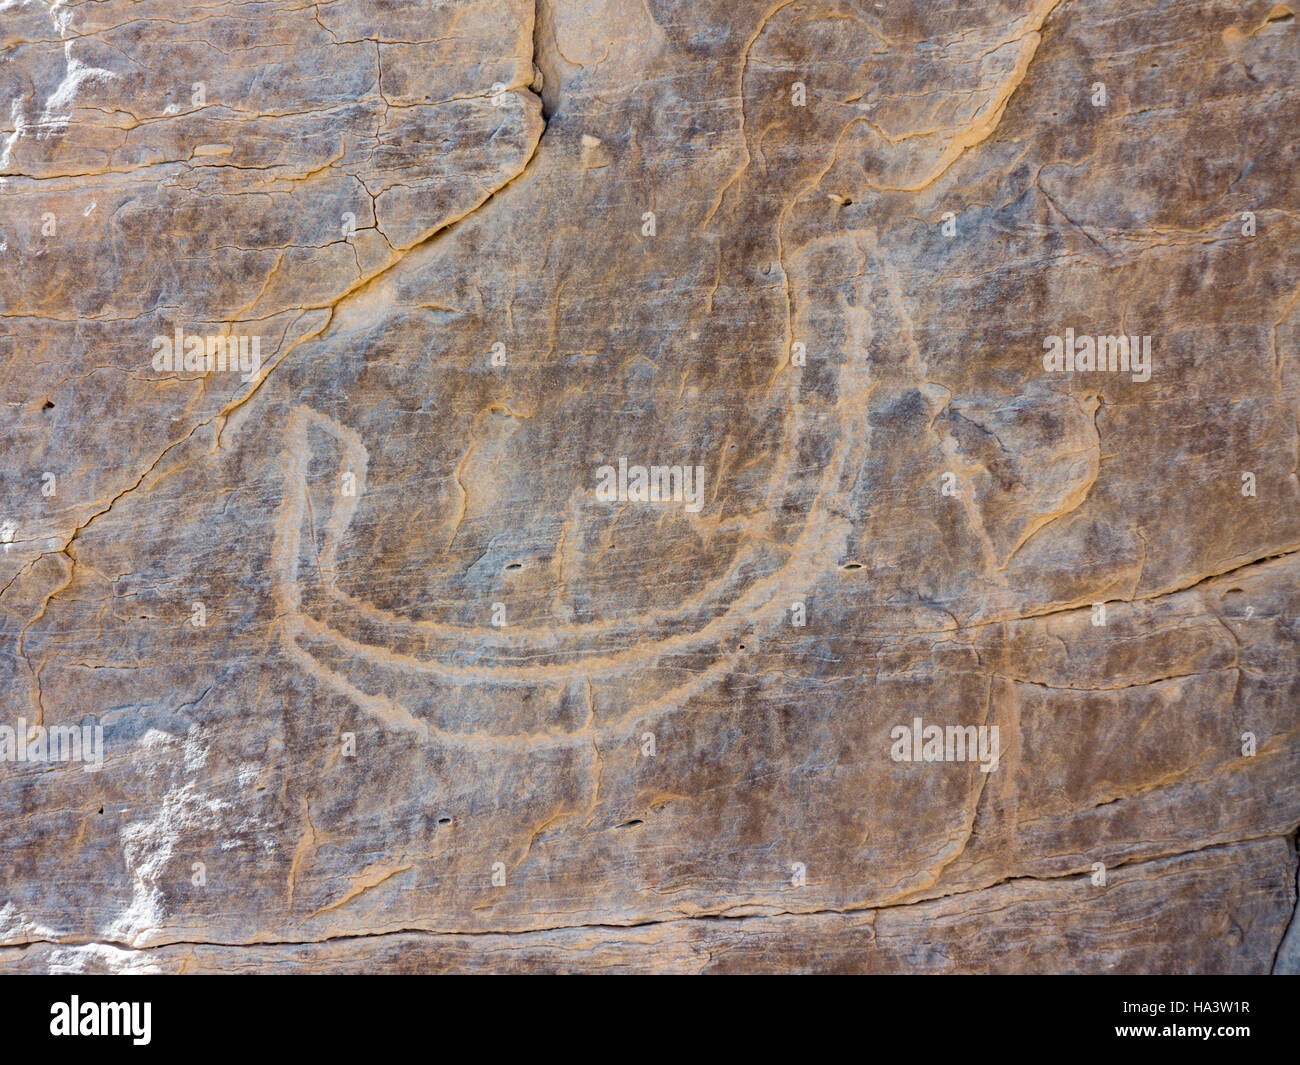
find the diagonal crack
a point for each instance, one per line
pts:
(355, 292)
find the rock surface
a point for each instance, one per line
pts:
(396, 670)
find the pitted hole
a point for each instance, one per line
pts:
(49, 405)
(101, 809)
(852, 565)
(515, 565)
(444, 820)
(636, 822)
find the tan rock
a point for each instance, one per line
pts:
(382, 638)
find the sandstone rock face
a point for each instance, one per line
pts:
(640, 485)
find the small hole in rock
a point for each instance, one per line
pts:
(515, 565)
(852, 565)
(101, 809)
(444, 820)
(49, 405)
(631, 824)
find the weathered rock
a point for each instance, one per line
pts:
(1206, 912)
(375, 653)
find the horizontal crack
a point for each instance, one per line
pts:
(635, 925)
